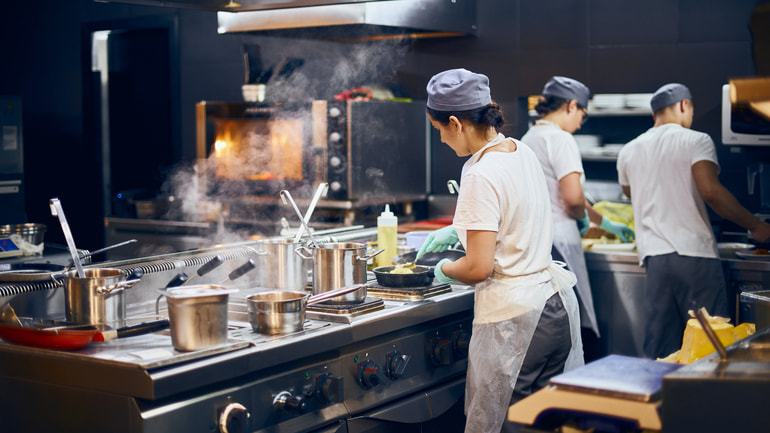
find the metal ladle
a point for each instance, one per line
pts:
(285, 195)
(322, 190)
(56, 210)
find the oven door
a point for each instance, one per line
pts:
(255, 150)
(435, 409)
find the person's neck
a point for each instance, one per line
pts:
(558, 118)
(478, 141)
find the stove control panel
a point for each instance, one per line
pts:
(406, 362)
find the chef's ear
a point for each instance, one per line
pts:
(456, 124)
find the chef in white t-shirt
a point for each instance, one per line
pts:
(670, 172)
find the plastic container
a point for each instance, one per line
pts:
(387, 237)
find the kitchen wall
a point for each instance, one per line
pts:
(613, 47)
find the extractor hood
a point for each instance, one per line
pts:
(369, 20)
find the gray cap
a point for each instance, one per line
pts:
(567, 88)
(458, 90)
(669, 94)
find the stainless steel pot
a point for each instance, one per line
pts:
(339, 264)
(280, 268)
(282, 312)
(97, 298)
(197, 316)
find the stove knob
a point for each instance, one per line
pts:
(335, 137)
(461, 340)
(368, 374)
(397, 363)
(330, 388)
(441, 352)
(291, 403)
(334, 112)
(335, 186)
(234, 418)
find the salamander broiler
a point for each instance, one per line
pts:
(400, 361)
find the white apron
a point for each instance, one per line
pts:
(506, 312)
(566, 239)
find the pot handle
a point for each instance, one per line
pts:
(57, 281)
(301, 251)
(370, 256)
(117, 287)
(337, 292)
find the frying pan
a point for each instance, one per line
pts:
(73, 337)
(420, 276)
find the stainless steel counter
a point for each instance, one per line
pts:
(617, 285)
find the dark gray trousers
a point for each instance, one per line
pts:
(546, 354)
(673, 285)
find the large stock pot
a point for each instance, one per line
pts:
(338, 264)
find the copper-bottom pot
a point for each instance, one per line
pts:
(283, 312)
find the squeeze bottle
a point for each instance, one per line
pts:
(387, 237)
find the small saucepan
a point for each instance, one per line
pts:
(282, 312)
(416, 276)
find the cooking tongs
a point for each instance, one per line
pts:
(702, 317)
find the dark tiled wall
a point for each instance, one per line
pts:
(613, 46)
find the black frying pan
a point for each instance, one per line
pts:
(420, 276)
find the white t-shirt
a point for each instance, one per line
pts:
(669, 212)
(557, 151)
(503, 192)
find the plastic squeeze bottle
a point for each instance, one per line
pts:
(387, 237)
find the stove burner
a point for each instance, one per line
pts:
(343, 313)
(409, 293)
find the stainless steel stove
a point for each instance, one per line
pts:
(397, 360)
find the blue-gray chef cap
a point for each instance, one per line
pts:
(669, 94)
(458, 90)
(567, 88)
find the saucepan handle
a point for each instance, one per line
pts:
(302, 251)
(370, 256)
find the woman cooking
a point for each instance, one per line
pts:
(562, 107)
(525, 326)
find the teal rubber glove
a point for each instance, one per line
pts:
(440, 275)
(440, 240)
(583, 224)
(622, 231)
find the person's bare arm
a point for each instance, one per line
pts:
(724, 203)
(593, 215)
(626, 190)
(479, 260)
(572, 195)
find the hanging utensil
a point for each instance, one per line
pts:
(322, 190)
(99, 251)
(56, 210)
(286, 195)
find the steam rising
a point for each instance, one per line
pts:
(329, 68)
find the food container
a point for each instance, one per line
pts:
(197, 316)
(283, 312)
(97, 298)
(729, 249)
(339, 264)
(280, 267)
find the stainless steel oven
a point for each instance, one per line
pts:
(362, 149)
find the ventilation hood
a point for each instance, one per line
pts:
(370, 20)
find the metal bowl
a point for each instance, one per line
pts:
(30, 232)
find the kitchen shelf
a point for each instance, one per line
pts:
(607, 112)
